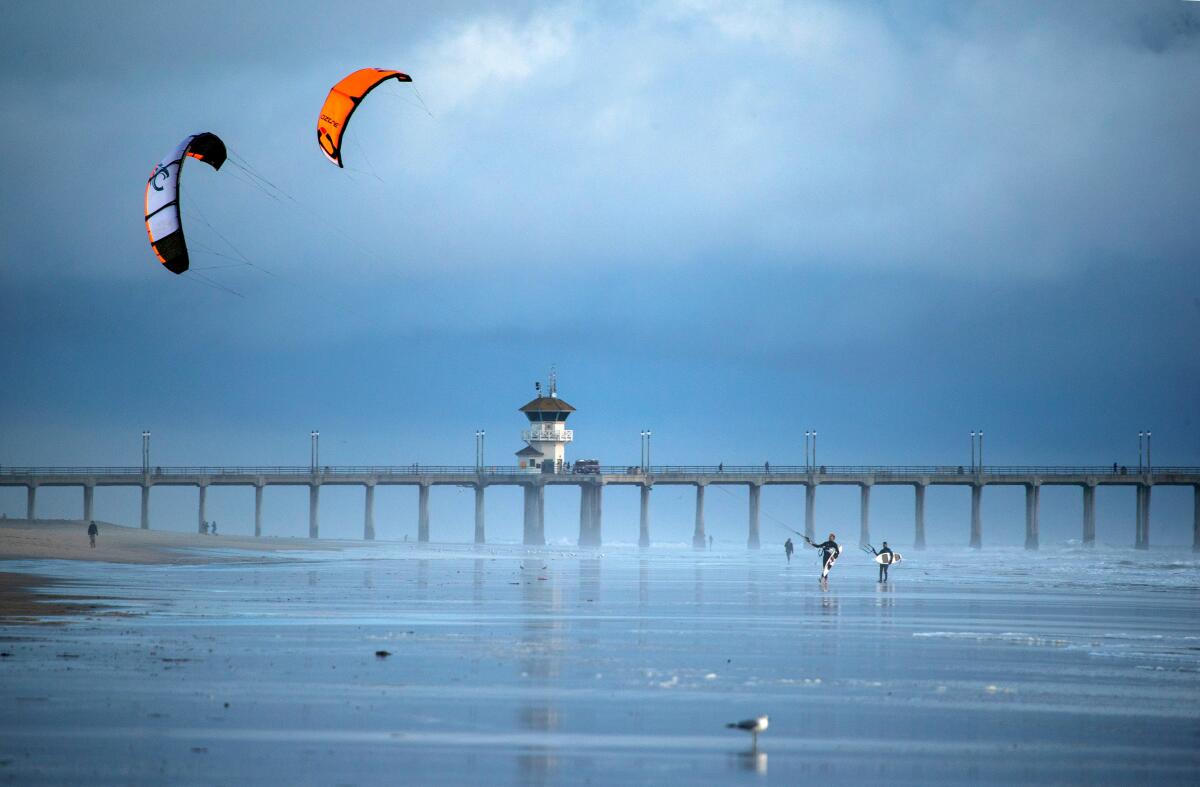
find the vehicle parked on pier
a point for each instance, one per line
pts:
(586, 467)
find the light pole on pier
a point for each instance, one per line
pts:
(646, 433)
(145, 451)
(807, 464)
(479, 436)
(1149, 464)
(315, 436)
(1141, 438)
(1144, 437)
(981, 450)
(972, 452)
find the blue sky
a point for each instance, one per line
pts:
(726, 222)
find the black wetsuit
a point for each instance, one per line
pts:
(883, 567)
(829, 551)
(93, 531)
(787, 548)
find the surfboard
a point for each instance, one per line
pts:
(833, 556)
(887, 559)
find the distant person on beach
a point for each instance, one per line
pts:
(204, 527)
(710, 543)
(214, 527)
(883, 567)
(93, 531)
(788, 548)
(829, 555)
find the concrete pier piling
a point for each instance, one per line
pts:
(423, 514)
(1196, 518)
(145, 506)
(585, 513)
(31, 502)
(864, 515)
(89, 491)
(591, 503)
(699, 538)
(314, 510)
(1089, 515)
(1142, 528)
(258, 498)
(1032, 499)
(752, 540)
(976, 516)
(644, 526)
(202, 518)
(535, 515)
(810, 511)
(919, 536)
(369, 512)
(479, 534)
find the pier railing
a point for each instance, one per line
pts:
(874, 471)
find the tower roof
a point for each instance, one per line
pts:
(547, 404)
(529, 451)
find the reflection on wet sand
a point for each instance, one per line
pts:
(589, 580)
(755, 761)
(542, 644)
(478, 574)
(422, 575)
(643, 583)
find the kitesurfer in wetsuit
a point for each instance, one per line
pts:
(883, 567)
(829, 553)
(788, 549)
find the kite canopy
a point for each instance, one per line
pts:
(340, 104)
(163, 224)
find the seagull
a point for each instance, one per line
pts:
(752, 726)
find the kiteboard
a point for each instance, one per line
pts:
(887, 558)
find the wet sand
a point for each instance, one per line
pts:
(508, 666)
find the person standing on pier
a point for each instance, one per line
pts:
(93, 531)
(829, 554)
(788, 548)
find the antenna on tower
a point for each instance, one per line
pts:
(538, 387)
(553, 381)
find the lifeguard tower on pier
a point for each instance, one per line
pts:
(547, 436)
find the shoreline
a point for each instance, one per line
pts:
(23, 599)
(66, 539)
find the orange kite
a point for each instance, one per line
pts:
(340, 104)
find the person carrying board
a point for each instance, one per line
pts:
(829, 554)
(883, 564)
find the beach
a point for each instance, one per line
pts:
(404, 663)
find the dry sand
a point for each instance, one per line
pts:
(22, 539)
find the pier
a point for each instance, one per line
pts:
(592, 484)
